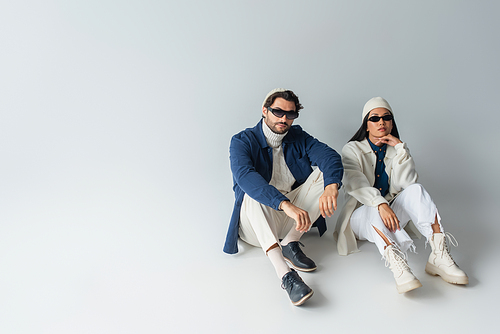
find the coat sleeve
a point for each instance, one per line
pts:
(356, 183)
(326, 158)
(248, 179)
(403, 171)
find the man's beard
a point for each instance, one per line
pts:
(279, 131)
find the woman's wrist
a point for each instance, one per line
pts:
(381, 205)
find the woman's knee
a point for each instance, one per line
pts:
(415, 187)
(418, 191)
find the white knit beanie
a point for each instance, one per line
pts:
(376, 102)
(276, 90)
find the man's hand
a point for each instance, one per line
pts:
(328, 201)
(300, 216)
(389, 218)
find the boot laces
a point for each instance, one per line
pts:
(443, 246)
(399, 259)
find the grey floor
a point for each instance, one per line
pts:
(116, 271)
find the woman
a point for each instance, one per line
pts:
(382, 196)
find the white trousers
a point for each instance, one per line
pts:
(262, 226)
(413, 203)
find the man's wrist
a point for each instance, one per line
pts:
(333, 185)
(281, 204)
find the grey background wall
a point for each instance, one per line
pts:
(115, 123)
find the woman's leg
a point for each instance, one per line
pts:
(367, 225)
(415, 204)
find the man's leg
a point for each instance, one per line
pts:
(259, 224)
(258, 227)
(305, 197)
(276, 257)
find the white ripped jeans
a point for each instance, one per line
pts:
(413, 203)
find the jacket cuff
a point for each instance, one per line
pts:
(339, 184)
(277, 201)
(400, 146)
(379, 200)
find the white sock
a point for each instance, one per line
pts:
(293, 235)
(278, 262)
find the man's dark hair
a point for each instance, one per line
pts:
(287, 95)
(362, 133)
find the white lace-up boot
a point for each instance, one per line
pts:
(405, 280)
(440, 261)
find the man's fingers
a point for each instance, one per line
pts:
(303, 222)
(322, 209)
(329, 206)
(325, 208)
(299, 224)
(307, 222)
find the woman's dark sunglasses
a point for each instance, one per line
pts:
(280, 113)
(377, 118)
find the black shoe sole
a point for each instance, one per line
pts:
(299, 268)
(303, 299)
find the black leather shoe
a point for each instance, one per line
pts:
(297, 259)
(298, 291)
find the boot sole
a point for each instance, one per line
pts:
(435, 271)
(303, 299)
(299, 268)
(412, 285)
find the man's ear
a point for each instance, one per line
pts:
(264, 112)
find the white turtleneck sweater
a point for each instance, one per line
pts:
(282, 179)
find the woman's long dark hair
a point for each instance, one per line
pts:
(362, 133)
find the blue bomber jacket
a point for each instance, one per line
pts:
(251, 161)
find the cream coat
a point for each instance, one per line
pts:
(359, 176)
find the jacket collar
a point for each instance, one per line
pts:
(365, 146)
(259, 134)
(366, 149)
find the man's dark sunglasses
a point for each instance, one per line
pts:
(377, 118)
(280, 113)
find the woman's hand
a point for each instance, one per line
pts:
(389, 140)
(389, 218)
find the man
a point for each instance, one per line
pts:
(278, 194)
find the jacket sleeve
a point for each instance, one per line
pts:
(355, 181)
(403, 169)
(326, 158)
(248, 179)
